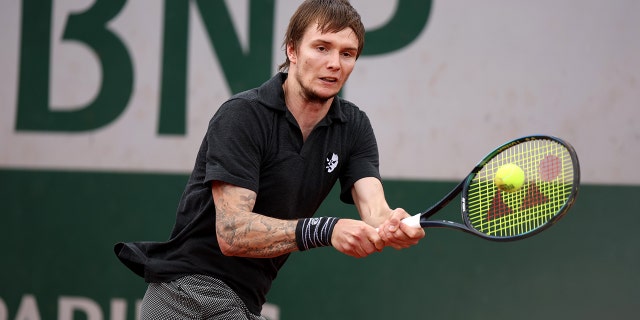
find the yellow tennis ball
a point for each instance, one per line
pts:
(509, 177)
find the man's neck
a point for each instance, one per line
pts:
(307, 113)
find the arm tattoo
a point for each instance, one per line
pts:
(250, 234)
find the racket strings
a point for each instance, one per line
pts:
(548, 170)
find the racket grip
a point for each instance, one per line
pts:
(413, 221)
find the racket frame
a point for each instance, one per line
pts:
(463, 187)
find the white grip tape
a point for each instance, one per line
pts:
(413, 221)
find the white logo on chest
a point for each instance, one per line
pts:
(332, 163)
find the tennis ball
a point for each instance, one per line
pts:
(509, 177)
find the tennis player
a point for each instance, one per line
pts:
(269, 158)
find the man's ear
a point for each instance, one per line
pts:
(291, 53)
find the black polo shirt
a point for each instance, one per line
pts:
(254, 142)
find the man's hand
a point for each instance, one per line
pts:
(398, 235)
(356, 238)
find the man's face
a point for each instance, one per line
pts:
(323, 62)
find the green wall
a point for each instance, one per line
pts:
(58, 229)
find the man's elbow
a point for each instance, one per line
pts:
(228, 248)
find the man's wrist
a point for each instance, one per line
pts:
(314, 232)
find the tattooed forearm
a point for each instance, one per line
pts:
(263, 236)
(242, 232)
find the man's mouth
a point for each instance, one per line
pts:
(329, 79)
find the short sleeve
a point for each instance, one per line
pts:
(364, 160)
(234, 145)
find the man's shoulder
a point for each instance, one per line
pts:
(350, 111)
(269, 94)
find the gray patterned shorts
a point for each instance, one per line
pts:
(193, 297)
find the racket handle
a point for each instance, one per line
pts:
(413, 221)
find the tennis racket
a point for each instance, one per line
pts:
(551, 182)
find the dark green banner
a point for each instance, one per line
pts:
(59, 228)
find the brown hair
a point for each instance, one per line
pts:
(331, 16)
